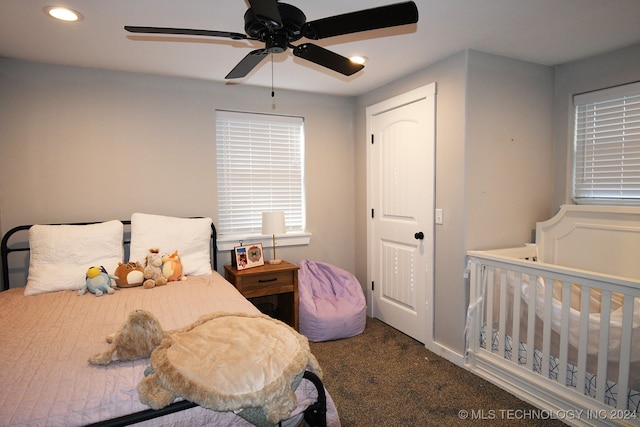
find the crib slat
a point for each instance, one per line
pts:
(625, 351)
(502, 315)
(515, 329)
(489, 297)
(603, 351)
(477, 294)
(546, 327)
(531, 320)
(564, 332)
(584, 333)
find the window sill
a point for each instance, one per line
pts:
(227, 243)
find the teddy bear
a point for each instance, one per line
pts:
(129, 274)
(153, 270)
(136, 339)
(172, 267)
(98, 281)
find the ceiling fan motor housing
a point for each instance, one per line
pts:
(263, 28)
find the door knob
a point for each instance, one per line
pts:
(419, 235)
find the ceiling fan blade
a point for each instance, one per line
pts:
(185, 32)
(267, 12)
(363, 20)
(327, 58)
(247, 64)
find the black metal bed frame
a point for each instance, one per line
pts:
(314, 415)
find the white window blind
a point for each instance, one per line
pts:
(607, 146)
(260, 168)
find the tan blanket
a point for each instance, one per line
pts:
(228, 362)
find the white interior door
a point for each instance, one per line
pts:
(401, 175)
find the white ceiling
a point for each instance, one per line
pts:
(548, 32)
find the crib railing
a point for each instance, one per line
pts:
(558, 329)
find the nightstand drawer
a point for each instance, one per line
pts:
(272, 280)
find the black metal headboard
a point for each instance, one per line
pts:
(6, 249)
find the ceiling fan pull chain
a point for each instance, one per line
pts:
(273, 94)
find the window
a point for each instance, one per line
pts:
(260, 167)
(607, 146)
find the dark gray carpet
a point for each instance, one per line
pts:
(385, 378)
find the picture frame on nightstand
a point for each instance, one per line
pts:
(248, 256)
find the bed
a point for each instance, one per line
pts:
(557, 323)
(49, 331)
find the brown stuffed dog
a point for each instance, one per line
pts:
(136, 339)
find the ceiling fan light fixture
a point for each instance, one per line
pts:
(359, 59)
(63, 13)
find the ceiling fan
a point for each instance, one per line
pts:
(278, 25)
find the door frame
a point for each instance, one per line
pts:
(406, 98)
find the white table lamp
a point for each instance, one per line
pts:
(273, 223)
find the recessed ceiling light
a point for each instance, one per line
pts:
(359, 59)
(63, 13)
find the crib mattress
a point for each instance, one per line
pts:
(46, 340)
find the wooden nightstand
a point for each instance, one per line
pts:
(278, 280)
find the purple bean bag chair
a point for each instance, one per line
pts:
(332, 304)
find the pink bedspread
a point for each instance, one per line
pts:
(45, 341)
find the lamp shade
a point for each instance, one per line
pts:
(273, 223)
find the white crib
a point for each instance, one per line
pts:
(538, 316)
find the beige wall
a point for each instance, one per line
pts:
(508, 150)
(80, 144)
(83, 144)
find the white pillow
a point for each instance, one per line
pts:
(191, 237)
(60, 255)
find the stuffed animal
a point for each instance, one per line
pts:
(153, 270)
(136, 339)
(172, 267)
(129, 274)
(98, 281)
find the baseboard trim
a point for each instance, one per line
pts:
(447, 353)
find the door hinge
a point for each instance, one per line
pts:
(372, 138)
(373, 286)
(372, 215)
